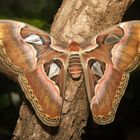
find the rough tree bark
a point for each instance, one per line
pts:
(79, 20)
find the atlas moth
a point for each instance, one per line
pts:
(42, 63)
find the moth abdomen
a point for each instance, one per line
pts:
(75, 67)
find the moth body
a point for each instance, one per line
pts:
(74, 67)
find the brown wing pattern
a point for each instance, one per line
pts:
(28, 52)
(41, 64)
(117, 52)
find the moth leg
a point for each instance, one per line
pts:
(108, 93)
(43, 94)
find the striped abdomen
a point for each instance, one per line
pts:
(75, 67)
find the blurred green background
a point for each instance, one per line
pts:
(40, 13)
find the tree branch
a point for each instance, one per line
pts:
(77, 20)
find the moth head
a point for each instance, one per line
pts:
(73, 47)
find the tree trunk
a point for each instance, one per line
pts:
(77, 20)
